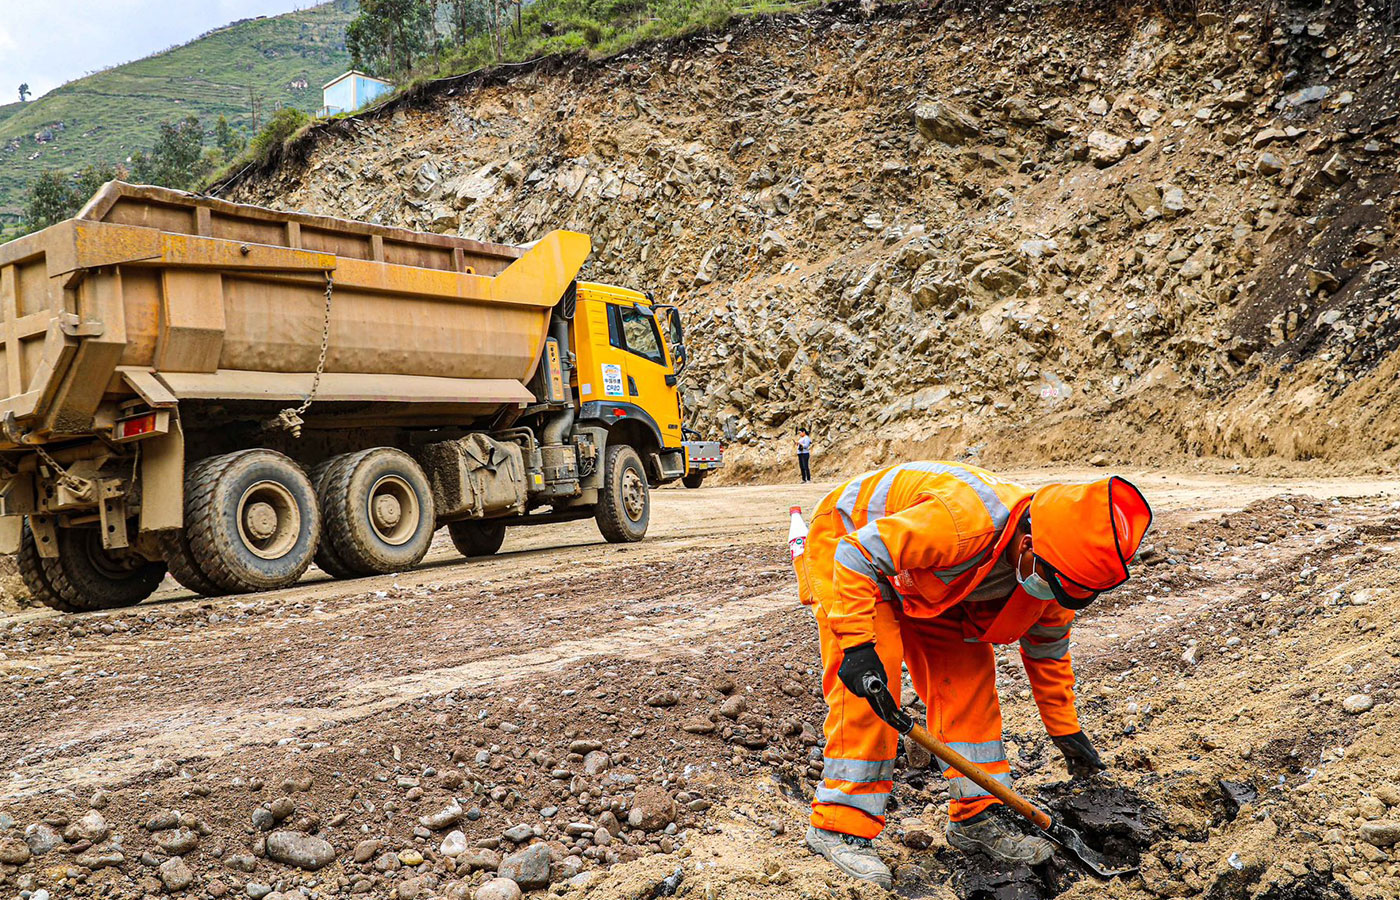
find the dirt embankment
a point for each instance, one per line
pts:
(1060, 232)
(591, 719)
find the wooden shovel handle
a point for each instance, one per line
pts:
(979, 776)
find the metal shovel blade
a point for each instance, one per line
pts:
(1069, 840)
(1073, 845)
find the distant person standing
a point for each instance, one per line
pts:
(804, 454)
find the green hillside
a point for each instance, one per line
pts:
(104, 118)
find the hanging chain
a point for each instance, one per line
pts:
(325, 345)
(290, 419)
(82, 487)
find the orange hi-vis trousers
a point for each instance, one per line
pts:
(957, 682)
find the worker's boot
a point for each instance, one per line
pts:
(853, 855)
(1002, 842)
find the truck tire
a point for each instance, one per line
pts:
(693, 480)
(624, 507)
(326, 556)
(31, 570)
(475, 538)
(183, 567)
(178, 559)
(251, 520)
(378, 509)
(86, 576)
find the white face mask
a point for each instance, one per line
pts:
(1033, 584)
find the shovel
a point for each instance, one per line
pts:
(1060, 834)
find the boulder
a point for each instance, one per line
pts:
(652, 809)
(474, 858)
(446, 817)
(1106, 149)
(528, 868)
(1381, 834)
(498, 889)
(13, 852)
(296, 848)
(1268, 164)
(939, 120)
(41, 838)
(174, 874)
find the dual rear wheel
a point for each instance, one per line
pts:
(255, 520)
(85, 576)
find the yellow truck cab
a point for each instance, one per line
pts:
(631, 354)
(627, 371)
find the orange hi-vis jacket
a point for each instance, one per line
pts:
(931, 532)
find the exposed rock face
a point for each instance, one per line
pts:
(893, 234)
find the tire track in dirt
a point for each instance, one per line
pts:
(223, 686)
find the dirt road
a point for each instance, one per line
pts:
(566, 684)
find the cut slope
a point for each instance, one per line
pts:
(1067, 232)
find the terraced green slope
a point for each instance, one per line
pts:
(105, 117)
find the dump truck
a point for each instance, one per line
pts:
(231, 393)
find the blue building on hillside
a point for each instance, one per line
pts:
(351, 91)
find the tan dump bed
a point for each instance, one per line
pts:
(171, 296)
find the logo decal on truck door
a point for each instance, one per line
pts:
(612, 380)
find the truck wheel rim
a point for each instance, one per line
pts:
(393, 510)
(269, 520)
(634, 495)
(114, 567)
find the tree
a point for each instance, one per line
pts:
(466, 17)
(386, 35)
(50, 200)
(176, 160)
(88, 179)
(54, 195)
(24, 92)
(229, 140)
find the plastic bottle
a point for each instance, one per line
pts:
(797, 534)
(797, 544)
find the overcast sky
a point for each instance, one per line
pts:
(49, 42)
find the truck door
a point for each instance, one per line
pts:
(647, 374)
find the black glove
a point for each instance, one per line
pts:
(1081, 757)
(863, 674)
(859, 662)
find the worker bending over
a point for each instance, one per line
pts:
(929, 564)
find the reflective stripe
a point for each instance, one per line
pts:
(860, 770)
(962, 788)
(1052, 650)
(869, 538)
(982, 751)
(874, 804)
(947, 575)
(846, 503)
(995, 508)
(1047, 632)
(852, 560)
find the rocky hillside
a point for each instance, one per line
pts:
(1081, 231)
